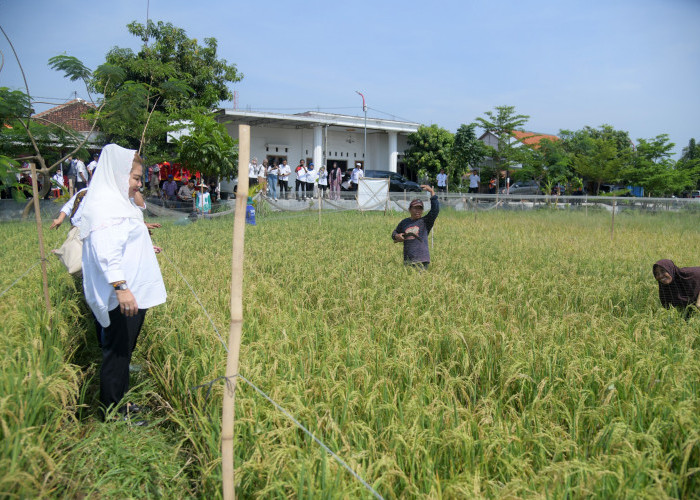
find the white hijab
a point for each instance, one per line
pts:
(107, 201)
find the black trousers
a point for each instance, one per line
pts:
(118, 343)
(284, 187)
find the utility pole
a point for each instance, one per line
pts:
(364, 108)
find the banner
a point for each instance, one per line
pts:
(372, 194)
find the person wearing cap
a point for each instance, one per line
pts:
(413, 231)
(203, 199)
(311, 178)
(355, 176)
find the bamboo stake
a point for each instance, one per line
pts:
(612, 225)
(236, 325)
(40, 233)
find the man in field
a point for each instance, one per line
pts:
(413, 231)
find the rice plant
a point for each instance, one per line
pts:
(532, 360)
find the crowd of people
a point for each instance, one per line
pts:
(309, 182)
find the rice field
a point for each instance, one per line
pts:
(532, 360)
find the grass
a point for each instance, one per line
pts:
(533, 360)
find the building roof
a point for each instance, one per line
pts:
(69, 114)
(528, 138)
(532, 138)
(310, 119)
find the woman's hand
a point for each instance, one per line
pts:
(58, 221)
(157, 249)
(127, 303)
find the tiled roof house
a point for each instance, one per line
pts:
(531, 139)
(69, 115)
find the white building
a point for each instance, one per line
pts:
(322, 138)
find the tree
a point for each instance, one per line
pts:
(467, 150)
(145, 93)
(547, 162)
(502, 124)
(430, 149)
(599, 155)
(208, 148)
(653, 169)
(690, 161)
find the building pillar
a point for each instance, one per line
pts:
(393, 153)
(318, 147)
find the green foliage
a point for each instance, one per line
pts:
(690, 161)
(652, 168)
(467, 150)
(208, 148)
(13, 104)
(502, 123)
(171, 78)
(73, 68)
(430, 149)
(599, 155)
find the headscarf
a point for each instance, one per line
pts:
(685, 285)
(107, 202)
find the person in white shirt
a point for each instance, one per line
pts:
(91, 166)
(81, 175)
(323, 181)
(474, 181)
(121, 276)
(262, 176)
(70, 210)
(285, 172)
(300, 185)
(311, 178)
(442, 182)
(355, 176)
(253, 172)
(273, 173)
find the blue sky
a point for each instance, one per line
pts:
(632, 64)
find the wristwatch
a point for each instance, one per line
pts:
(121, 286)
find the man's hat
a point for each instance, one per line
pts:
(415, 203)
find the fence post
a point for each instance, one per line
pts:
(40, 233)
(236, 325)
(612, 225)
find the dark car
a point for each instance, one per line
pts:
(397, 182)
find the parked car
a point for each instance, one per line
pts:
(523, 187)
(397, 182)
(695, 194)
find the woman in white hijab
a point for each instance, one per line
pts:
(121, 276)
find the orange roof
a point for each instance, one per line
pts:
(532, 138)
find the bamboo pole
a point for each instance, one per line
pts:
(612, 225)
(40, 233)
(236, 325)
